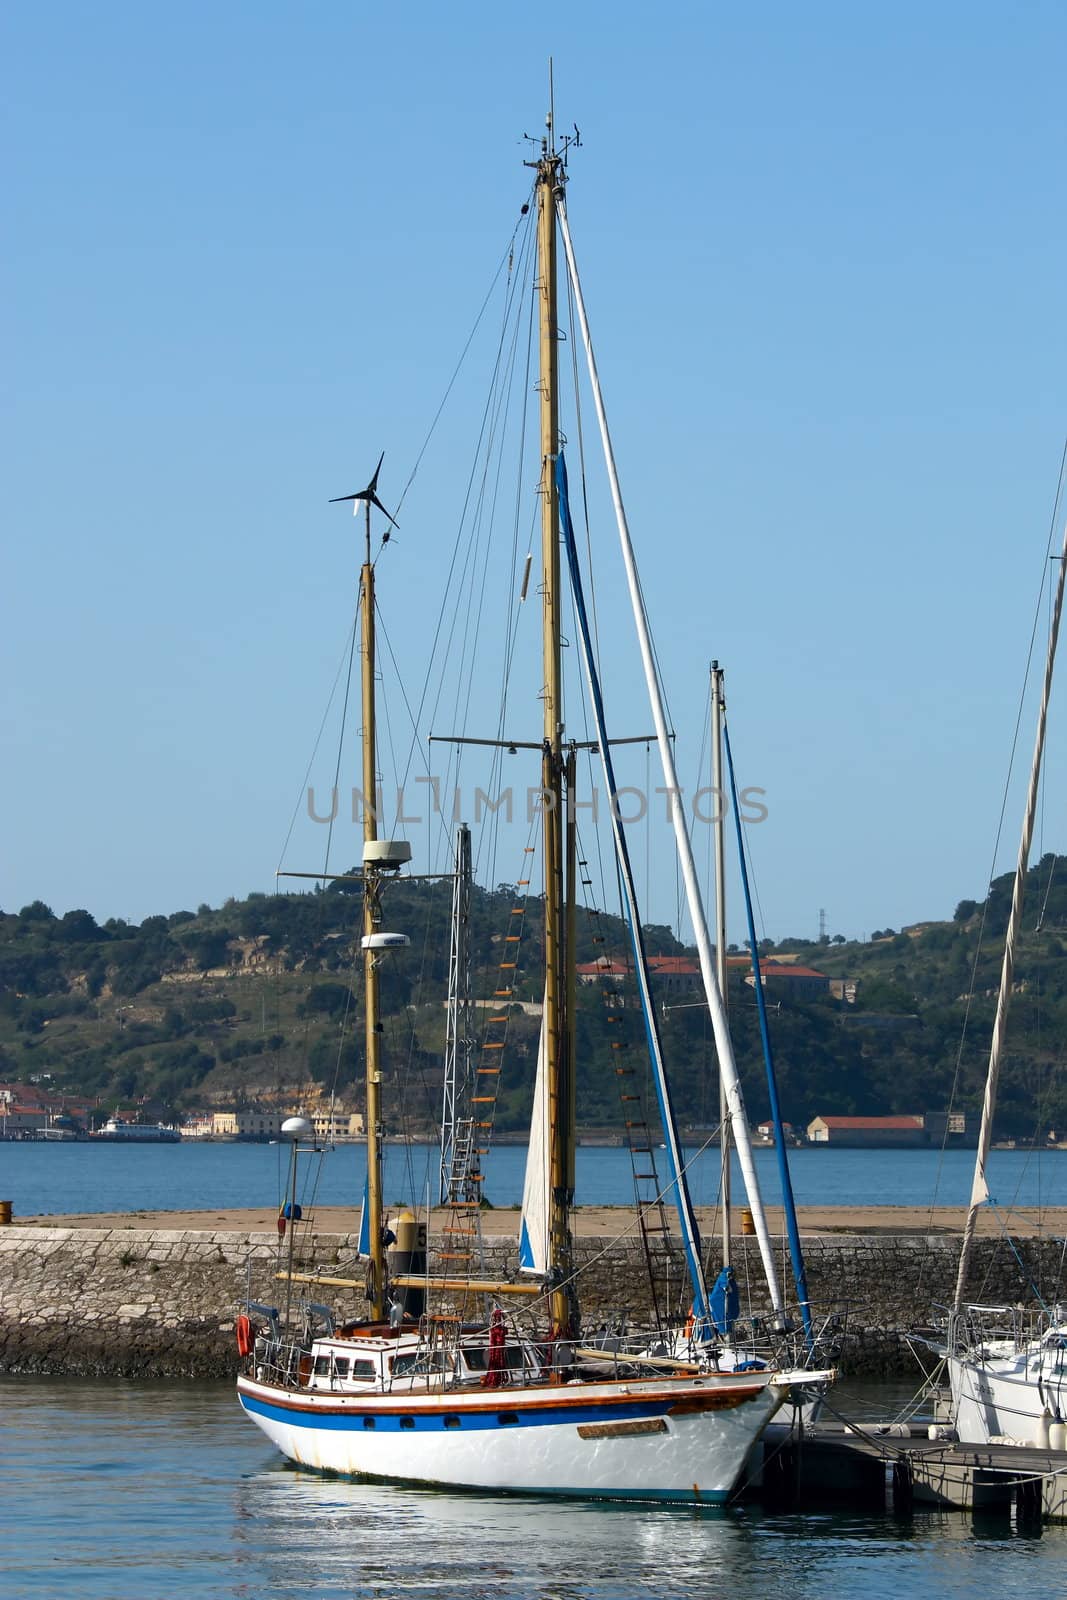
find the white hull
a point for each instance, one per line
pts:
(650, 1439)
(1009, 1394)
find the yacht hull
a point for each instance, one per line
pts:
(649, 1440)
(1009, 1394)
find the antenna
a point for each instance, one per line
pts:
(548, 138)
(551, 118)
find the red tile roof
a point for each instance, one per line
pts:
(871, 1122)
(776, 969)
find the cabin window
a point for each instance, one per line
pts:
(407, 1422)
(426, 1361)
(368, 1422)
(322, 1366)
(507, 1418)
(340, 1366)
(363, 1369)
(451, 1422)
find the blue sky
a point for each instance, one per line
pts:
(823, 249)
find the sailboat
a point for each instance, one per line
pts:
(409, 1392)
(1007, 1365)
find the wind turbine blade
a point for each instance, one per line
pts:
(373, 498)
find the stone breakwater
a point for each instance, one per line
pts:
(162, 1303)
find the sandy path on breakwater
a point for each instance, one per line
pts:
(595, 1221)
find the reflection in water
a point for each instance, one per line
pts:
(123, 1492)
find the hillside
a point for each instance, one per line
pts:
(258, 1001)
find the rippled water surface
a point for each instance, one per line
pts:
(139, 1492)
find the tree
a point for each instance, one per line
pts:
(37, 911)
(78, 927)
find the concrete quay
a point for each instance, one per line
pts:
(135, 1297)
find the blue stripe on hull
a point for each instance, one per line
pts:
(434, 1421)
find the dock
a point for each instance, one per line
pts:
(897, 1467)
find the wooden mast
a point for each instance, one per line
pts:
(371, 919)
(560, 1133)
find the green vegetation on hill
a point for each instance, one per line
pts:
(260, 1000)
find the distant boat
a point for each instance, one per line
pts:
(120, 1132)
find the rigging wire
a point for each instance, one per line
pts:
(508, 256)
(458, 544)
(346, 655)
(473, 626)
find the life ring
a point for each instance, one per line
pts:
(245, 1337)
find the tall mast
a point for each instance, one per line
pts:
(371, 918)
(980, 1189)
(717, 679)
(372, 868)
(561, 1135)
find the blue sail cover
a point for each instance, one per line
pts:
(363, 1246)
(725, 1301)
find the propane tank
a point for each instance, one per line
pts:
(407, 1258)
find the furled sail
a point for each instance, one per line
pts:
(363, 1246)
(533, 1226)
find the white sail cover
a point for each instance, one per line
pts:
(533, 1225)
(979, 1188)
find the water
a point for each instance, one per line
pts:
(68, 1178)
(121, 1492)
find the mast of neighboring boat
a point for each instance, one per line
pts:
(727, 1064)
(792, 1227)
(371, 915)
(561, 1135)
(980, 1189)
(717, 683)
